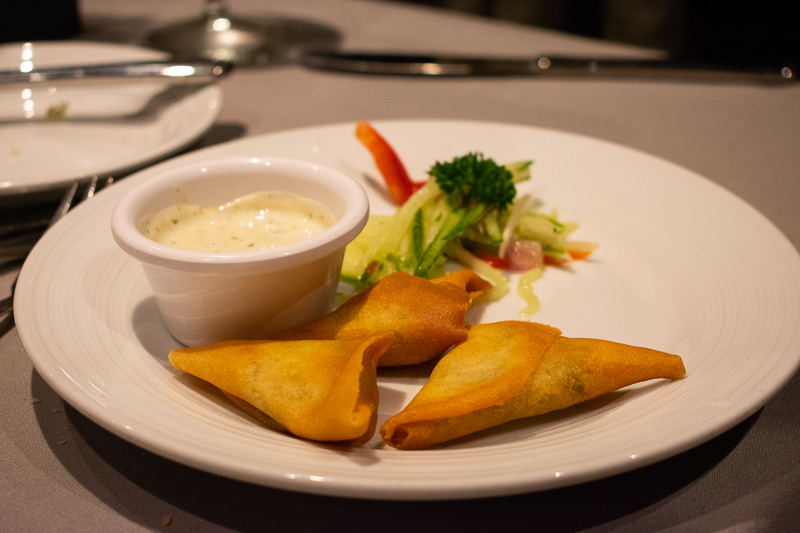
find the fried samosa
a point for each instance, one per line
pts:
(318, 390)
(425, 316)
(479, 384)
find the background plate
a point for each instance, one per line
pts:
(109, 128)
(683, 266)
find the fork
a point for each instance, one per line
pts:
(71, 199)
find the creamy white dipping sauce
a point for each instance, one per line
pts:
(258, 221)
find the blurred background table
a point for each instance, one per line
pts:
(61, 472)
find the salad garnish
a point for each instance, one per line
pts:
(467, 211)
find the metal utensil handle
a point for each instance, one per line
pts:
(378, 63)
(188, 73)
(659, 70)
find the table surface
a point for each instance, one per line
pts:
(63, 472)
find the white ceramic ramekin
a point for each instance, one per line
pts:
(209, 297)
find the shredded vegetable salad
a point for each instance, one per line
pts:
(467, 211)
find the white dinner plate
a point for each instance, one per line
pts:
(683, 266)
(108, 129)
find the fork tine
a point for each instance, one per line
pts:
(90, 188)
(69, 200)
(96, 185)
(66, 203)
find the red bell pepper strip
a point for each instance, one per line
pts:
(392, 169)
(579, 254)
(495, 261)
(504, 264)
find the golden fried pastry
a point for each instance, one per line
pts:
(479, 384)
(319, 390)
(425, 316)
(467, 280)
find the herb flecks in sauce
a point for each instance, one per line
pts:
(258, 221)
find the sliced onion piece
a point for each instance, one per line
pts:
(521, 206)
(524, 255)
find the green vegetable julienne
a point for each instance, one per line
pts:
(469, 193)
(467, 210)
